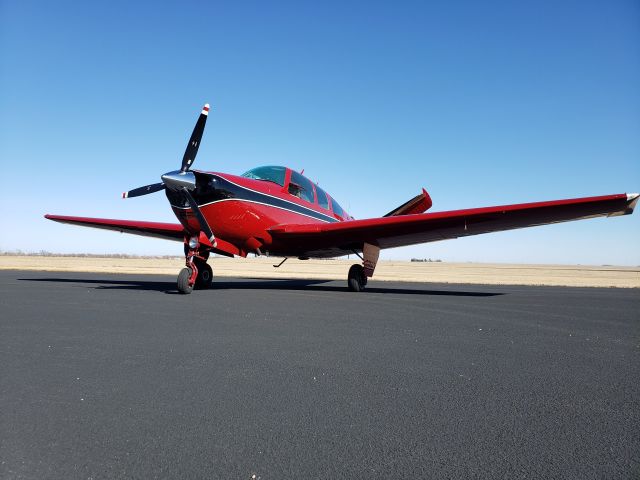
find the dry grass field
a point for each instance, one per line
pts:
(468, 273)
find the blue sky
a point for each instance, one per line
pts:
(481, 103)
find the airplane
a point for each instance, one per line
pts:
(274, 210)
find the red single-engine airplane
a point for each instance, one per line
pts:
(275, 210)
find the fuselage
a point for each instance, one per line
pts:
(241, 209)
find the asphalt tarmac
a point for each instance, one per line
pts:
(118, 376)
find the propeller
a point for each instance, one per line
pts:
(204, 225)
(194, 142)
(183, 181)
(137, 192)
(187, 160)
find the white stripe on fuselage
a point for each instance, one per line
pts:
(277, 198)
(258, 203)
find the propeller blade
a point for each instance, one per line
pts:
(137, 192)
(194, 142)
(204, 226)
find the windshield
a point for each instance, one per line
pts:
(269, 174)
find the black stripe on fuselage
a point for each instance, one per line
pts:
(213, 188)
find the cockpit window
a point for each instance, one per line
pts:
(323, 201)
(268, 174)
(301, 187)
(337, 209)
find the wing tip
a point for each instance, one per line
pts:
(55, 218)
(632, 200)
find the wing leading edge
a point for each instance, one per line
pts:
(167, 231)
(397, 231)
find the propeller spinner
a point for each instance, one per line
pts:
(183, 180)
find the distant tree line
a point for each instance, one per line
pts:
(46, 253)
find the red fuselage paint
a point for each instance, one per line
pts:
(245, 223)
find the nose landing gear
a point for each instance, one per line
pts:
(185, 284)
(197, 272)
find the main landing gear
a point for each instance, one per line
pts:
(357, 280)
(197, 272)
(358, 274)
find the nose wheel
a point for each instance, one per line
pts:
(357, 280)
(184, 281)
(197, 273)
(202, 280)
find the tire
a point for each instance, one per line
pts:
(183, 281)
(356, 280)
(205, 276)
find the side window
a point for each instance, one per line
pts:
(337, 209)
(323, 201)
(301, 187)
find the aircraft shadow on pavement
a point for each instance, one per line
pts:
(108, 284)
(315, 285)
(256, 284)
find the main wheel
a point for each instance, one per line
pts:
(183, 281)
(205, 276)
(357, 279)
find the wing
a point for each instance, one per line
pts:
(332, 239)
(168, 231)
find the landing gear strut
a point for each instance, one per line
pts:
(357, 280)
(197, 273)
